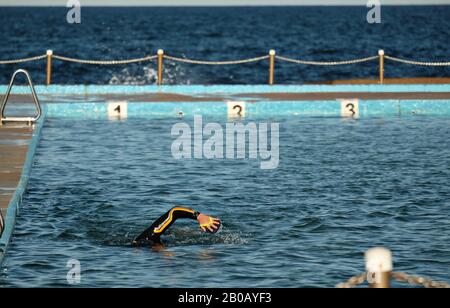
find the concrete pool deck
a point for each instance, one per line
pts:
(14, 142)
(18, 144)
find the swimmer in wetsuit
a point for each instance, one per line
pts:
(152, 235)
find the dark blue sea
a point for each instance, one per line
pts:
(313, 33)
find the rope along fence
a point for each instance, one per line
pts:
(417, 62)
(197, 62)
(356, 61)
(16, 61)
(271, 57)
(379, 273)
(111, 62)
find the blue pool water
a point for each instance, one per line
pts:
(342, 186)
(312, 33)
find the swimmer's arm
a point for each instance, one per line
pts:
(207, 223)
(163, 223)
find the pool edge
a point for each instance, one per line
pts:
(15, 202)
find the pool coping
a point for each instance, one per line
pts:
(227, 89)
(16, 199)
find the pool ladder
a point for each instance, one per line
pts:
(29, 120)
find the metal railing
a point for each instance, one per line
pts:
(2, 223)
(29, 120)
(272, 57)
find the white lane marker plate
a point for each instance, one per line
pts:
(236, 109)
(117, 110)
(350, 108)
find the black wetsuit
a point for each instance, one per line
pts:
(152, 235)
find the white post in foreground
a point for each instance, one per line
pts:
(379, 267)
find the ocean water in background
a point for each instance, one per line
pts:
(342, 187)
(314, 33)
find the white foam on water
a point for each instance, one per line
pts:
(188, 236)
(172, 74)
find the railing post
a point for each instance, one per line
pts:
(160, 66)
(272, 54)
(379, 267)
(381, 54)
(49, 67)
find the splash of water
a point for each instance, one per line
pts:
(184, 236)
(173, 74)
(181, 236)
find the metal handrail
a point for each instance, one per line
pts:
(2, 223)
(35, 99)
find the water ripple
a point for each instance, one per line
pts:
(341, 188)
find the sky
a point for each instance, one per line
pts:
(214, 2)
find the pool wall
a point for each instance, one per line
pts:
(260, 100)
(16, 200)
(254, 110)
(244, 89)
